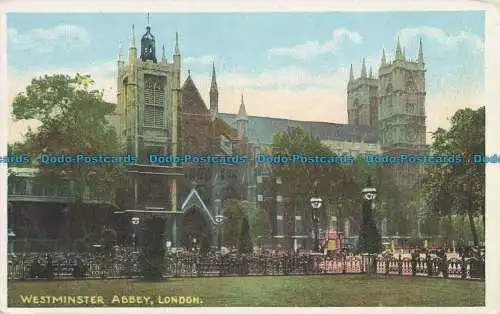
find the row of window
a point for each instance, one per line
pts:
(154, 102)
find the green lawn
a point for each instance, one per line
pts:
(336, 290)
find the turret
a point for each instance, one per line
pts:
(177, 53)
(119, 59)
(363, 69)
(399, 53)
(148, 49)
(420, 53)
(132, 50)
(214, 93)
(242, 120)
(351, 75)
(383, 61)
(163, 54)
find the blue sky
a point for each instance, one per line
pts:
(287, 64)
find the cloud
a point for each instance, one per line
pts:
(203, 60)
(450, 41)
(67, 37)
(292, 93)
(312, 49)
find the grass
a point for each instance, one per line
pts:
(333, 291)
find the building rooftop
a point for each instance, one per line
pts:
(262, 129)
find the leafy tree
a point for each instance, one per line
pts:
(152, 256)
(73, 117)
(335, 183)
(257, 221)
(108, 240)
(234, 212)
(459, 188)
(245, 240)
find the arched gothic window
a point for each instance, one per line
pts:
(154, 102)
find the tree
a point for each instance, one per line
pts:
(108, 240)
(245, 240)
(73, 117)
(152, 256)
(234, 212)
(257, 222)
(459, 188)
(334, 183)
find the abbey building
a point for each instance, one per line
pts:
(156, 114)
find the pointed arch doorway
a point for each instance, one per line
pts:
(197, 224)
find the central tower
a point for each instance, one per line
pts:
(147, 106)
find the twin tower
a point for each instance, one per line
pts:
(394, 105)
(393, 102)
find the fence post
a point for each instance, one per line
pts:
(265, 265)
(429, 264)
(464, 268)
(445, 266)
(400, 265)
(344, 261)
(414, 264)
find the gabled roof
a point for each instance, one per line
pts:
(192, 101)
(262, 129)
(194, 201)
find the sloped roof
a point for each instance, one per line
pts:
(262, 129)
(194, 201)
(192, 101)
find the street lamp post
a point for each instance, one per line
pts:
(339, 214)
(135, 222)
(219, 219)
(369, 229)
(316, 203)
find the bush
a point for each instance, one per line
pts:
(152, 258)
(108, 241)
(79, 269)
(370, 240)
(80, 246)
(35, 270)
(245, 241)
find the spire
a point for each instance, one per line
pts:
(214, 93)
(213, 85)
(177, 51)
(399, 54)
(383, 61)
(242, 113)
(351, 75)
(370, 75)
(120, 52)
(132, 37)
(163, 54)
(404, 53)
(363, 69)
(420, 52)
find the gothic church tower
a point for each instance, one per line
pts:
(147, 105)
(394, 103)
(147, 98)
(362, 98)
(402, 112)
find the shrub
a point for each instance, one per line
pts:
(245, 241)
(152, 258)
(35, 270)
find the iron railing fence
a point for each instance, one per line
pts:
(194, 265)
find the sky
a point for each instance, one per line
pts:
(288, 65)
